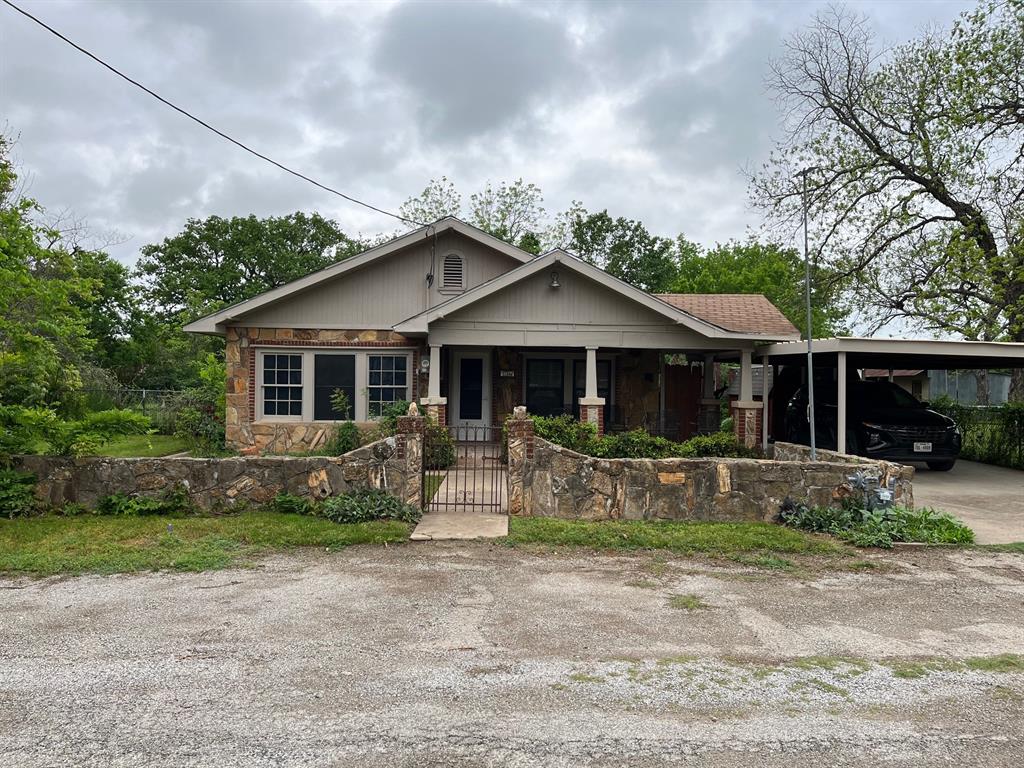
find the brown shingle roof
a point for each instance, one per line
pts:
(739, 312)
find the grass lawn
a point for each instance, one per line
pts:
(132, 446)
(51, 544)
(430, 485)
(747, 542)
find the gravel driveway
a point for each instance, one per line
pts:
(471, 654)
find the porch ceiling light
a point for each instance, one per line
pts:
(554, 280)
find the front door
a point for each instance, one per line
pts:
(470, 393)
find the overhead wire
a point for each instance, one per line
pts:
(207, 125)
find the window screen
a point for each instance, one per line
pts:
(331, 372)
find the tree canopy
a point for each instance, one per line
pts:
(916, 191)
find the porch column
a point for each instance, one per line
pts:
(592, 406)
(746, 412)
(841, 402)
(765, 403)
(709, 414)
(436, 407)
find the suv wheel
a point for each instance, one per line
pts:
(941, 466)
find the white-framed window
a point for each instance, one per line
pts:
(297, 384)
(453, 272)
(387, 381)
(281, 388)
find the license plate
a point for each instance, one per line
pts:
(922, 447)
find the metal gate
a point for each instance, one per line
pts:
(464, 470)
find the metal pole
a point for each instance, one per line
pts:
(810, 346)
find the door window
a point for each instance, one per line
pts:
(471, 388)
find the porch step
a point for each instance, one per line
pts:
(443, 526)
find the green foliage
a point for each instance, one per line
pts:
(215, 262)
(32, 430)
(879, 527)
(17, 493)
(766, 268)
(344, 437)
(355, 507)
(439, 447)
(582, 437)
(200, 410)
(992, 435)
(173, 502)
(340, 404)
(625, 249)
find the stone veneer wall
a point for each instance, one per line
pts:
(242, 430)
(551, 481)
(393, 464)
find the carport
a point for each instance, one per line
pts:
(846, 353)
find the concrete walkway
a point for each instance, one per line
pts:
(439, 526)
(989, 499)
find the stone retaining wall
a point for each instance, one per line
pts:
(551, 481)
(393, 464)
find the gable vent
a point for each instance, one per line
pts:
(452, 272)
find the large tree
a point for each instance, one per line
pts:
(215, 262)
(914, 158)
(624, 248)
(767, 268)
(43, 333)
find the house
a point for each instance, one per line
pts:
(913, 380)
(470, 326)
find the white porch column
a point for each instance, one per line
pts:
(434, 385)
(764, 403)
(591, 385)
(592, 406)
(747, 412)
(436, 407)
(841, 403)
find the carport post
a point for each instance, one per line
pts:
(841, 402)
(764, 404)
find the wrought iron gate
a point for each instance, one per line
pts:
(464, 470)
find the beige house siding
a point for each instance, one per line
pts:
(386, 291)
(244, 430)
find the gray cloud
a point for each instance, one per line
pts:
(647, 109)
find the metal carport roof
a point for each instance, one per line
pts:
(899, 353)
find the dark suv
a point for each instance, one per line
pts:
(883, 421)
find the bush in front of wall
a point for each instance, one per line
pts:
(355, 507)
(172, 502)
(344, 438)
(438, 446)
(17, 494)
(880, 527)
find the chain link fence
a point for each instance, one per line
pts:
(991, 434)
(160, 405)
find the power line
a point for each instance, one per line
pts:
(205, 124)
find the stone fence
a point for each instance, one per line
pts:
(551, 481)
(394, 464)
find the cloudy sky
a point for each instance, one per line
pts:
(651, 110)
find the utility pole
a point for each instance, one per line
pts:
(807, 295)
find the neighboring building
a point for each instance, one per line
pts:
(470, 326)
(962, 386)
(916, 382)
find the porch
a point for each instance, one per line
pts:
(674, 393)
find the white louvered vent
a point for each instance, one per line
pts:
(452, 272)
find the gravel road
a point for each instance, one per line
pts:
(469, 654)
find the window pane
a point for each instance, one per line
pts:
(282, 377)
(375, 378)
(296, 361)
(268, 377)
(400, 363)
(332, 372)
(269, 408)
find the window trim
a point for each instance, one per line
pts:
(444, 288)
(361, 405)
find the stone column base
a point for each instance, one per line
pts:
(592, 411)
(746, 422)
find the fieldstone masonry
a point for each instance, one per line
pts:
(551, 481)
(394, 464)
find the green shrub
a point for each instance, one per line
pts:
(878, 527)
(566, 430)
(340, 404)
(635, 444)
(289, 503)
(32, 430)
(720, 444)
(344, 438)
(439, 447)
(355, 507)
(173, 502)
(17, 493)
(200, 410)
(364, 506)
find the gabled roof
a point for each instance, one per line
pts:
(210, 323)
(420, 323)
(740, 312)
